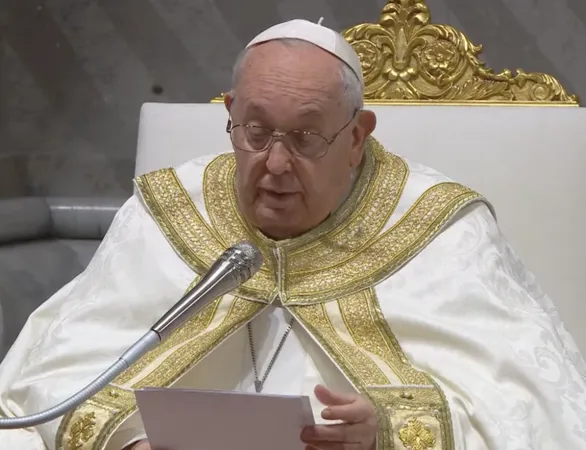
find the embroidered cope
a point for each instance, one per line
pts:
(408, 294)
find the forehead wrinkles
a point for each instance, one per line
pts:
(291, 69)
(284, 104)
(282, 92)
(290, 88)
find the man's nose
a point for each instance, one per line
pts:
(279, 159)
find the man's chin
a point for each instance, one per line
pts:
(271, 213)
(272, 200)
(276, 224)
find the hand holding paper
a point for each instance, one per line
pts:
(358, 428)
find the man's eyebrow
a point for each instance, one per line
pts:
(310, 112)
(255, 107)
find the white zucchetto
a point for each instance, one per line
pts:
(315, 33)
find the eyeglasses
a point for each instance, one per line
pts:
(255, 139)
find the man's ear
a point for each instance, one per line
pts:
(228, 99)
(365, 125)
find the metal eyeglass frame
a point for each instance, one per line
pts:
(280, 134)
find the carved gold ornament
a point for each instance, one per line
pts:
(416, 436)
(406, 59)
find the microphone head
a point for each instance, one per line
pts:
(233, 268)
(251, 253)
(247, 259)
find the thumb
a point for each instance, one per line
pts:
(329, 398)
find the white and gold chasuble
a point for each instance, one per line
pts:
(407, 294)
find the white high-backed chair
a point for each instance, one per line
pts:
(520, 141)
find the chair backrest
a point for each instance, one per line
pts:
(519, 139)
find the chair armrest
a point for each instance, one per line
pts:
(82, 218)
(24, 219)
(31, 218)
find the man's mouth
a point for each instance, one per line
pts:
(278, 192)
(277, 195)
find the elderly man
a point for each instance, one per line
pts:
(388, 295)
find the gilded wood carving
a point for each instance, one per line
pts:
(407, 59)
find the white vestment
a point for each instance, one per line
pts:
(463, 309)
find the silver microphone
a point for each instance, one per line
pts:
(233, 268)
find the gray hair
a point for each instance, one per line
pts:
(352, 88)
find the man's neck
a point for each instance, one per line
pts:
(353, 176)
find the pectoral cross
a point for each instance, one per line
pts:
(258, 386)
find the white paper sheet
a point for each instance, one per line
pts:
(183, 419)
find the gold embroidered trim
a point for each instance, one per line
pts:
(370, 331)
(402, 408)
(351, 359)
(198, 244)
(416, 435)
(82, 431)
(179, 219)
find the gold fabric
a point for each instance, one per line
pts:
(325, 278)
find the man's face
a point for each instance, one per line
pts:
(294, 88)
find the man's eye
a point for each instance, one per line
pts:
(258, 133)
(303, 139)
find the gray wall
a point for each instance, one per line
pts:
(73, 73)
